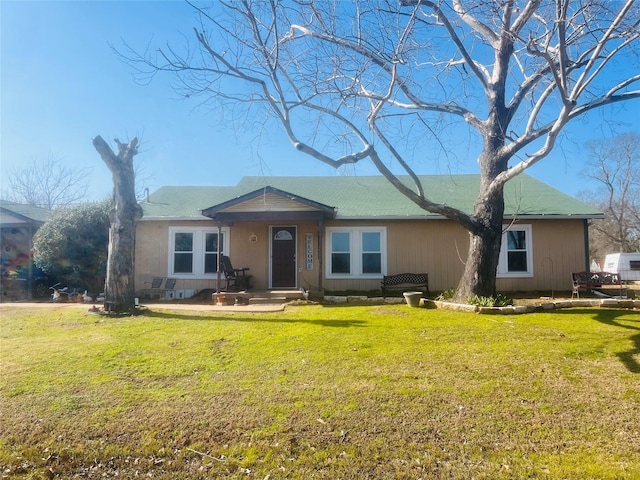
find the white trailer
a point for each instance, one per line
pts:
(626, 265)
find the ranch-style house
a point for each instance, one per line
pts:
(344, 233)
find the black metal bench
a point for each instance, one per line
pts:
(404, 281)
(594, 280)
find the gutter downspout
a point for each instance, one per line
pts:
(587, 261)
(320, 256)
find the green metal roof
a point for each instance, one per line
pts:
(371, 197)
(185, 202)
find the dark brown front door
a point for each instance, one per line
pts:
(283, 257)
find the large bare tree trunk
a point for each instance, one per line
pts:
(402, 86)
(119, 288)
(485, 227)
(479, 276)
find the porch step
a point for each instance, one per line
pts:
(266, 300)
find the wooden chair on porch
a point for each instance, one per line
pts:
(237, 278)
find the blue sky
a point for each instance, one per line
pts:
(61, 85)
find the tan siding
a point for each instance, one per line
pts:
(308, 278)
(418, 246)
(243, 253)
(269, 203)
(432, 247)
(152, 254)
(437, 247)
(558, 250)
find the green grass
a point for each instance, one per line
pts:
(371, 392)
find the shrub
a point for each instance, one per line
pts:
(447, 294)
(73, 244)
(499, 300)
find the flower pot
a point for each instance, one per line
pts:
(413, 298)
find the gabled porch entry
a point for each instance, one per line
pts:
(283, 213)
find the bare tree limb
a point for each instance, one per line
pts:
(374, 81)
(48, 184)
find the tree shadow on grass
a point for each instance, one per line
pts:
(258, 318)
(611, 317)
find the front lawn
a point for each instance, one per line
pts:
(357, 392)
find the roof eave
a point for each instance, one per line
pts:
(567, 216)
(563, 216)
(396, 217)
(215, 210)
(159, 218)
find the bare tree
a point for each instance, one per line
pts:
(124, 215)
(48, 184)
(388, 81)
(615, 166)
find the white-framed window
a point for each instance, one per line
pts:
(516, 252)
(193, 251)
(356, 252)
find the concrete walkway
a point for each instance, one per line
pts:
(193, 307)
(201, 307)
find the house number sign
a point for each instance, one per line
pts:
(308, 247)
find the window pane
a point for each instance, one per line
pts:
(340, 242)
(211, 252)
(211, 242)
(340, 252)
(371, 263)
(340, 263)
(283, 235)
(371, 257)
(210, 262)
(184, 242)
(517, 261)
(516, 240)
(371, 242)
(183, 262)
(183, 253)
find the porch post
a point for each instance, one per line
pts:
(587, 256)
(219, 270)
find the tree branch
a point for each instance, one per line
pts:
(584, 80)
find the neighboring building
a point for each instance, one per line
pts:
(345, 233)
(18, 224)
